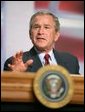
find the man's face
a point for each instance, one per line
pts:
(43, 32)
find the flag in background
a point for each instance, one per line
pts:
(71, 16)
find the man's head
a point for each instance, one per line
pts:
(44, 30)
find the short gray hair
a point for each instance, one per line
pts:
(56, 21)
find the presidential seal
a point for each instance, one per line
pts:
(53, 86)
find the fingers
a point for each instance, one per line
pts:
(19, 54)
(10, 66)
(18, 64)
(17, 57)
(29, 62)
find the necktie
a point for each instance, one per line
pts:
(46, 57)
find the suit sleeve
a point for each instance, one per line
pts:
(8, 61)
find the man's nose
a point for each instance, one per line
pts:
(41, 30)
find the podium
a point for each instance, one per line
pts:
(17, 93)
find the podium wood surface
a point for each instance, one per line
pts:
(18, 87)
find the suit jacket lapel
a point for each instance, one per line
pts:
(57, 57)
(37, 64)
(36, 61)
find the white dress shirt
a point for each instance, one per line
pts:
(52, 59)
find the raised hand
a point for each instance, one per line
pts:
(18, 64)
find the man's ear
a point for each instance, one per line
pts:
(30, 34)
(57, 36)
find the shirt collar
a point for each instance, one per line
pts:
(41, 55)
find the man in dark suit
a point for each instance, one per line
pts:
(44, 32)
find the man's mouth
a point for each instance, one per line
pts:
(40, 38)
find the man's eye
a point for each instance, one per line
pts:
(35, 26)
(47, 27)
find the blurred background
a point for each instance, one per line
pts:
(15, 16)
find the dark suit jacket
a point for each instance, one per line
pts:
(66, 60)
